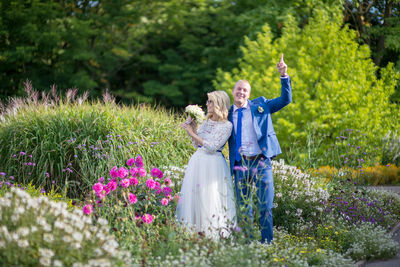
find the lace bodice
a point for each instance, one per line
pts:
(214, 134)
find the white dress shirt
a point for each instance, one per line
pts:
(249, 138)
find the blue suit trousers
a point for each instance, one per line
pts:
(246, 173)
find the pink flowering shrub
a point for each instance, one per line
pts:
(132, 195)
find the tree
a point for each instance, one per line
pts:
(68, 43)
(377, 24)
(333, 78)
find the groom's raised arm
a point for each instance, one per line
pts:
(286, 89)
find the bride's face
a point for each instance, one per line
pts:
(210, 106)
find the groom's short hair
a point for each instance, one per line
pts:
(242, 81)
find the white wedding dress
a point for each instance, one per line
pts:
(206, 200)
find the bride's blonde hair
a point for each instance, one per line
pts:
(222, 104)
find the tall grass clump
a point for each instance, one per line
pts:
(70, 142)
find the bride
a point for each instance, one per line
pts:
(207, 201)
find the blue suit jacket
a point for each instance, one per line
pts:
(261, 110)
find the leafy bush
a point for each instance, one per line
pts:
(358, 205)
(375, 175)
(371, 242)
(133, 196)
(298, 197)
(391, 149)
(285, 250)
(333, 79)
(7, 183)
(35, 230)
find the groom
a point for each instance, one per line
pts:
(252, 146)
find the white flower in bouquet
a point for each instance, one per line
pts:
(196, 113)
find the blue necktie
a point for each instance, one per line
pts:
(238, 144)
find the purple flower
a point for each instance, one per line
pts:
(2, 174)
(22, 153)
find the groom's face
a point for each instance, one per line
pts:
(241, 92)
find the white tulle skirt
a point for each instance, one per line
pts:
(206, 200)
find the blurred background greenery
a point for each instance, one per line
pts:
(168, 52)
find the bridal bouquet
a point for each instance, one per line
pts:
(196, 113)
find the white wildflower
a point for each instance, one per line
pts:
(23, 243)
(77, 236)
(45, 261)
(68, 229)
(19, 210)
(47, 253)
(49, 238)
(14, 218)
(57, 263)
(23, 231)
(67, 239)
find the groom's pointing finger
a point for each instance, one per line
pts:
(281, 58)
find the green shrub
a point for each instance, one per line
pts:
(371, 242)
(334, 84)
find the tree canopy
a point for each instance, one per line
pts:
(333, 79)
(161, 51)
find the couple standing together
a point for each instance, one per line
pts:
(207, 200)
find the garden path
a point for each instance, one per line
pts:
(394, 262)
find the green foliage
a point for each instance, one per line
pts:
(74, 143)
(70, 43)
(6, 185)
(333, 80)
(146, 51)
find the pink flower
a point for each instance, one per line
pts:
(164, 202)
(125, 183)
(114, 172)
(101, 194)
(167, 191)
(130, 162)
(98, 187)
(107, 189)
(158, 188)
(151, 183)
(112, 185)
(133, 181)
(157, 173)
(167, 181)
(101, 179)
(134, 171)
(142, 172)
(139, 162)
(87, 209)
(132, 198)
(122, 172)
(147, 218)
